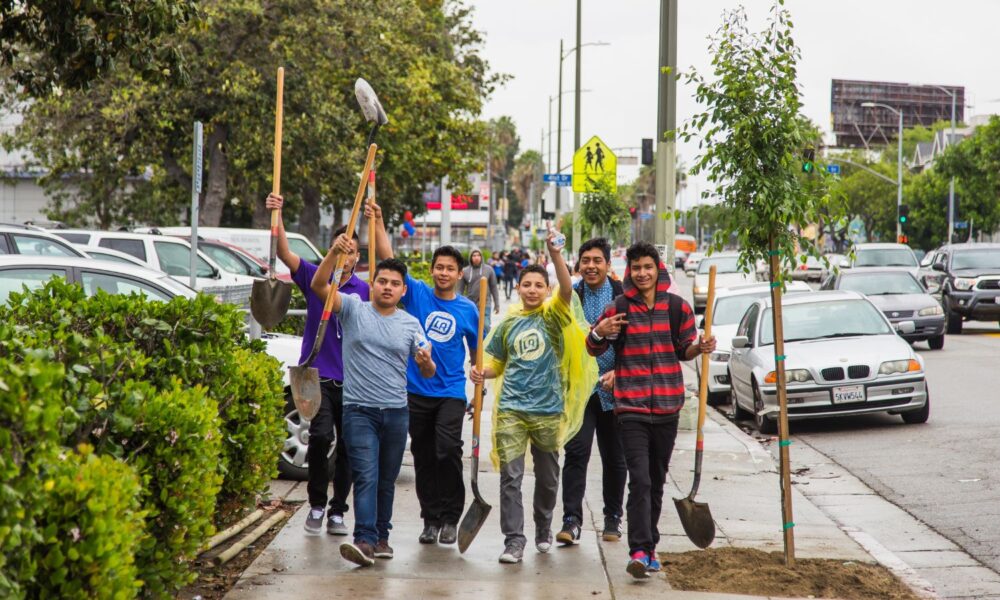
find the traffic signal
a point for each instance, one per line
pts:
(808, 160)
(647, 151)
(681, 229)
(904, 214)
(632, 212)
(903, 239)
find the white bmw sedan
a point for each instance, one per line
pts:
(842, 357)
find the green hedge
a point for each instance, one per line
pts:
(174, 391)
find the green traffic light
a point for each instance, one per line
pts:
(902, 219)
(807, 167)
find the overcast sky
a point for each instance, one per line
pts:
(952, 42)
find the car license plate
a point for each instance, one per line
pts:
(848, 393)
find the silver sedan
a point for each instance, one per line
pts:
(842, 357)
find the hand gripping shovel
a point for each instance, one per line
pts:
(305, 378)
(474, 518)
(696, 516)
(269, 298)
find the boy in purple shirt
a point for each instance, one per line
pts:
(330, 364)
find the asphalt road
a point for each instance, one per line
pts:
(945, 472)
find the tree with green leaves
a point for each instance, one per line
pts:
(526, 178)
(752, 137)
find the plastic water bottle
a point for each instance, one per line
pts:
(421, 344)
(559, 241)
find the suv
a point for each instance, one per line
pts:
(968, 277)
(32, 241)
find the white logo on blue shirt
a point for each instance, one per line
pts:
(440, 326)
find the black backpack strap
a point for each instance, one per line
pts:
(579, 290)
(676, 308)
(616, 288)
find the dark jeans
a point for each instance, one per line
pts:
(376, 439)
(327, 425)
(648, 448)
(436, 443)
(508, 285)
(613, 471)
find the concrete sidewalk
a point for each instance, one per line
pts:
(740, 483)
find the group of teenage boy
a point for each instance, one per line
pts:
(396, 358)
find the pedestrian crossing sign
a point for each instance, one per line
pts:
(593, 164)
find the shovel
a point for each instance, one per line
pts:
(304, 378)
(696, 517)
(269, 298)
(474, 518)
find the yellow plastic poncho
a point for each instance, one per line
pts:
(515, 418)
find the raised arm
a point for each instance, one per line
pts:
(383, 248)
(285, 254)
(562, 271)
(321, 280)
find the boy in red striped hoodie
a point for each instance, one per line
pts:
(652, 330)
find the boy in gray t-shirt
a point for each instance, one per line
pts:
(379, 338)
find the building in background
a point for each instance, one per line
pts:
(857, 127)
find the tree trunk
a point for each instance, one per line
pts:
(214, 196)
(261, 216)
(309, 217)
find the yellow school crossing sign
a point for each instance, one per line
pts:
(593, 164)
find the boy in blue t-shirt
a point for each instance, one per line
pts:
(437, 404)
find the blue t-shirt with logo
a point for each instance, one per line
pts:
(450, 326)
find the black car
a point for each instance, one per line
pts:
(968, 278)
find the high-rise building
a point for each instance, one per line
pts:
(857, 126)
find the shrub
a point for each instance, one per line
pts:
(91, 528)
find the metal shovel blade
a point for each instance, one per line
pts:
(305, 390)
(697, 520)
(269, 299)
(472, 522)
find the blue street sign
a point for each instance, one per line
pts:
(833, 169)
(560, 179)
(961, 224)
(645, 216)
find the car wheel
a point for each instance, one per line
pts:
(954, 320)
(292, 462)
(765, 424)
(915, 417)
(936, 342)
(739, 413)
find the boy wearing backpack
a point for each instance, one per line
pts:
(655, 330)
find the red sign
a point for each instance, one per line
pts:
(458, 202)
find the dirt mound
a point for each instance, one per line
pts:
(749, 571)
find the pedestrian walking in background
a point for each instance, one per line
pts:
(327, 425)
(437, 404)
(654, 331)
(468, 285)
(378, 341)
(596, 291)
(538, 352)
(509, 273)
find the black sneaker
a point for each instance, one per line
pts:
(569, 534)
(543, 541)
(429, 535)
(448, 534)
(314, 522)
(612, 529)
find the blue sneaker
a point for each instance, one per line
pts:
(654, 564)
(638, 565)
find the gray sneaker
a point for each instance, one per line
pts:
(314, 522)
(543, 541)
(335, 525)
(513, 553)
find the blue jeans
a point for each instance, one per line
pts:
(376, 439)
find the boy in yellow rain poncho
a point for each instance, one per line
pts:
(546, 376)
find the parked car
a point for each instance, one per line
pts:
(730, 306)
(813, 269)
(968, 280)
(883, 255)
(32, 241)
(728, 274)
(691, 263)
(171, 255)
(843, 358)
(18, 272)
(900, 297)
(109, 255)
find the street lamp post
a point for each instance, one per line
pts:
(899, 162)
(951, 185)
(550, 132)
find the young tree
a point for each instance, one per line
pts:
(752, 138)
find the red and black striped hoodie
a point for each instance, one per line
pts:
(649, 384)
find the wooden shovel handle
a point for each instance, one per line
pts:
(477, 402)
(279, 113)
(351, 224)
(703, 382)
(371, 229)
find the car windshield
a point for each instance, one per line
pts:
(885, 257)
(987, 258)
(304, 250)
(724, 264)
(225, 258)
(832, 319)
(729, 311)
(881, 284)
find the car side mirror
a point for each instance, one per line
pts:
(741, 341)
(689, 273)
(844, 264)
(906, 327)
(938, 267)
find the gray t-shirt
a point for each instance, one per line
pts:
(376, 349)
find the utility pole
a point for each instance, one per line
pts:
(576, 127)
(666, 121)
(559, 134)
(444, 239)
